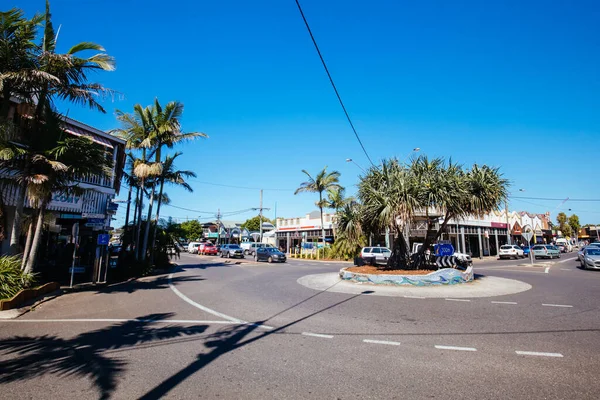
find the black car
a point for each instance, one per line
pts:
(231, 250)
(269, 254)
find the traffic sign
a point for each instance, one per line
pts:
(527, 235)
(103, 239)
(444, 250)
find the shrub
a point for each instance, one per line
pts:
(12, 279)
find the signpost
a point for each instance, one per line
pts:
(527, 235)
(444, 249)
(75, 234)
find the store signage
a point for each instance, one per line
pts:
(90, 215)
(61, 200)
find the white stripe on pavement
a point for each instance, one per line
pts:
(158, 321)
(457, 300)
(209, 310)
(381, 342)
(567, 260)
(536, 353)
(414, 297)
(455, 348)
(319, 335)
(557, 305)
(504, 302)
(565, 269)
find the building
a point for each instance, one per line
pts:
(220, 231)
(93, 211)
(292, 232)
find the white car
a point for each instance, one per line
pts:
(511, 251)
(591, 257)
(380, 254)
(193, 247)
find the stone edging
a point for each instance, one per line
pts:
(27, 294)
(446, 276)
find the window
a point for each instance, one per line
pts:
(376, 250)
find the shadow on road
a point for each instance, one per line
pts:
(161, 282)
(83, 355)
(227, 340)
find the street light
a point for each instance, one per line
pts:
(352, 161)
(415, 150)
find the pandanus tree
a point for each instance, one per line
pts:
(322, 182)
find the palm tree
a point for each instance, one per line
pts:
(320, 183)
(56, 168)
(172, 176)
(54, 76)
(390, 198)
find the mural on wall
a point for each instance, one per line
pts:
(446, 276)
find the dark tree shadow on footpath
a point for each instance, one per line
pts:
(161, 282)
(229, 339)
(84, 355)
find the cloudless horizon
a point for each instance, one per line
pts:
(509, 84)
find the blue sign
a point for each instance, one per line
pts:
(103, 239)
(444, 250)
(77, 270)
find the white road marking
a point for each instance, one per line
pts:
(557, 305)
(414, 297)
(327, 264)
(535, 353)
(504, 302)
(565, 269)
(381, 342)
(209, 310)
(455, 348)
(319, 335)
(546, 270)
(567, 260)
(158, 321)
(457, 300)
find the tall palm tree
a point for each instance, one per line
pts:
(57, 76)
(172, 176)
(320, 183)
(165, 132)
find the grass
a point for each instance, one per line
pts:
(12, 279)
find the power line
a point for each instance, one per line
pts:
(551, 199)
(239, 187)
(332, 83)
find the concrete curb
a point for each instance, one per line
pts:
(17, 312)
(445, 276)
(486, 286)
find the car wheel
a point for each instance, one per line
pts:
(228, 255)
(270, 260)
(220, 254)
(256, 258)
(558, 255)
(582, 265)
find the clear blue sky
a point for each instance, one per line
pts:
(510, 84)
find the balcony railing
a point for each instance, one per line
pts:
(103, 180)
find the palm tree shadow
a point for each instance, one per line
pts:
(227, 340)
(84, 355)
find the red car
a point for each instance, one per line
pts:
(207, 248)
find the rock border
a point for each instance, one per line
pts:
(445, 276)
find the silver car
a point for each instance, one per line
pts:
(591, 258)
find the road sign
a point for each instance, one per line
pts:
(103, 239)
(527, 235)
(77, 270)
(445, 261)
(444, 250)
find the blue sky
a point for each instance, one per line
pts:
(510, 84)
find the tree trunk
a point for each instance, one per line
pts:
(128, 206)
(158, 204)
(400, 257)
(28, 241)
(35, 245)
(147, 228)
(138, 229)
(15, 234)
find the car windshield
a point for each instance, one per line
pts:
(234, 246)
(505, 247)
(537, 248)
(593, 252)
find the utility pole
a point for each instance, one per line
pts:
(260, 215)
(219, 226)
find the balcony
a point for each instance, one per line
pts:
(104, 181)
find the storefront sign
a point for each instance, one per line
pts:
(61, 200)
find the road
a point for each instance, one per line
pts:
(226, 330)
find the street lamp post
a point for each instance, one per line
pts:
(352, 161)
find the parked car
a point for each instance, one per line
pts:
(231, 250)
(580, 253)
(511, 251)
(526, 250)
(270, 254)
(545, 250)
(208, 249)
(591, 258)
(565, 243)
(380, 254)
(193, 247)
(250, 248)
(562, 248)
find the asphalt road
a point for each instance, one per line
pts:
(227, 330)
